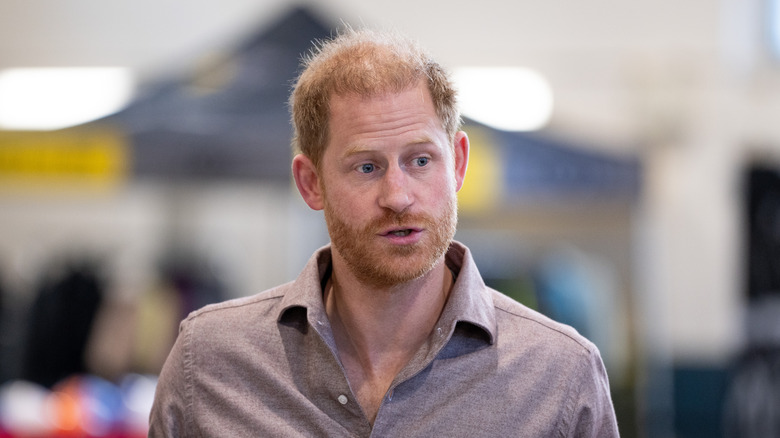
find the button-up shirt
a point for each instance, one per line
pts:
(268, 365)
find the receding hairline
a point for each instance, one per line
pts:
(367, 63)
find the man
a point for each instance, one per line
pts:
(390, 330)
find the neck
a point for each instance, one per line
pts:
(378, 330)
(399, 316)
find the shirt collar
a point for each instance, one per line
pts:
(470, 301)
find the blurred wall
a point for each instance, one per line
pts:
(254, 237)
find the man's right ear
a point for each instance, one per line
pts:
(308, 181)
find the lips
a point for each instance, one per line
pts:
(400, 232)
(402, 229)
(402, 235)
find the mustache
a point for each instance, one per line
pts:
(398, 219)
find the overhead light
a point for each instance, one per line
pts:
(506, 98)
(773, 16)
(53, 98)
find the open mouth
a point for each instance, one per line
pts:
(401, 232)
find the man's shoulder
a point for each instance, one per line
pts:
(525, 324)
(237, 309)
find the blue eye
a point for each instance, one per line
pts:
(366, 168)
(421, 161)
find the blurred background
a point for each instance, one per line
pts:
(624, 179)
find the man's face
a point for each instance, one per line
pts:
(389, 178)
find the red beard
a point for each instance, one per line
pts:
(387, 265)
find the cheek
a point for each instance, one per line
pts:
(441, 189)
(345, 203)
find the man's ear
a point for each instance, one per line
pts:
(308, 181)
(461, 148)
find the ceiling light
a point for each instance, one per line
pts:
(773, 17)
(506, 98)
(53, 98)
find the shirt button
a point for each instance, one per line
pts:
(343, 399)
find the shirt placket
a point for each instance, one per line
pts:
(423, 359)
(339, 391)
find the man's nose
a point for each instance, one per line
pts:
(395, 192)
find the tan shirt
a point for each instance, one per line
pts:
(267, 365)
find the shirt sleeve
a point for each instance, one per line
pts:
(173, 396)
(591, 411)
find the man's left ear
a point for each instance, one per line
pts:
(461, 148)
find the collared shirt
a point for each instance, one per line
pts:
(267, 365)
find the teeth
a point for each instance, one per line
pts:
(402, 233)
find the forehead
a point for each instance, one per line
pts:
(388, 115)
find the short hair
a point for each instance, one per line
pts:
(366, 63)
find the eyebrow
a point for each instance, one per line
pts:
(363, 149)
